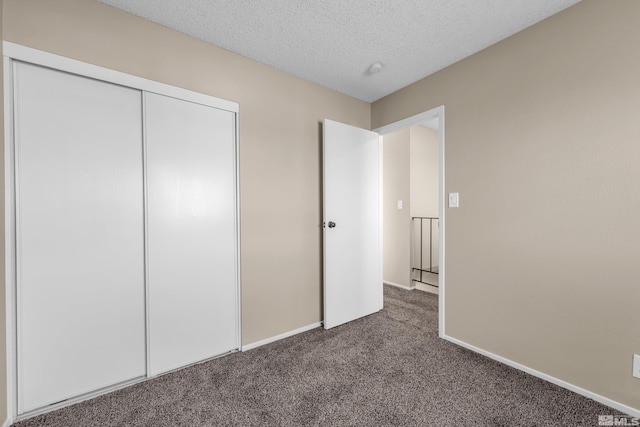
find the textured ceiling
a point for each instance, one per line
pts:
(334, 42)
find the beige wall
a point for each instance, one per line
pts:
(425, 184)
(410, 162)
(396, 222)
(542, 136)
(424, 171)
(280, 143)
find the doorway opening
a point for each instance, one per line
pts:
(413, 220)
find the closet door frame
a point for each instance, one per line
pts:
(13, 52)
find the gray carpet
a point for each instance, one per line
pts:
(383, 370)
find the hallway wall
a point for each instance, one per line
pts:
(396, 222)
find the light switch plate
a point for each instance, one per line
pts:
(453, 200)
(636, 366)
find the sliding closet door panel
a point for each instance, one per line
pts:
(80, 253)
(191, 232)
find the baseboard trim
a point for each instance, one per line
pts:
(6, 423)
(397, 285)
(427, 287)
(634, 412)
(281, 336)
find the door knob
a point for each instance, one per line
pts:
(332, 224)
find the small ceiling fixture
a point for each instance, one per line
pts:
(375, 68)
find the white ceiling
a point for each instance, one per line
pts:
(334, 42)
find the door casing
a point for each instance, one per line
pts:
(437, 112)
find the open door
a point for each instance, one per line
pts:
(352, 269)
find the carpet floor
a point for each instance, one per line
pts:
(387, 369)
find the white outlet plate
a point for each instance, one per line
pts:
(636, 366)
(454, 200)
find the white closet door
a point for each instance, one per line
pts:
(191, 232)
(80, 254)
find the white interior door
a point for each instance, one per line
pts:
(352, 269)
(191, 232)
(79, 240)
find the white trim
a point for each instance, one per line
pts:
(426, 287)
(397, 285)
(78, 399)
(411, 121)
(281, 336)
(145, 210)
(442, 241)
(9, 206)
(15, 231)
(579, 390)
(39, 57)
(404, 124)
(7, 422)
(381, 218)
(190, 364)
(110, 389)
(238, 255)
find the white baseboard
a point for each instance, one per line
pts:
(634, 412)
(399, 286)
(281, 336)
(426, 287)
(6, 423)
